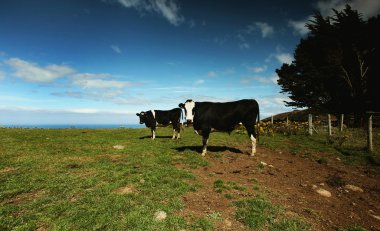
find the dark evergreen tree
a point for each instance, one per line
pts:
(335, 68)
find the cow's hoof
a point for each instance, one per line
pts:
(203, 154)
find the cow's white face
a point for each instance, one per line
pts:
(188, 106)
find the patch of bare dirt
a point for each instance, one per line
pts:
(290, 182)
(7, 170)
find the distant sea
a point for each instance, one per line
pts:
(73, 126)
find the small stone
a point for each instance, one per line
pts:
(118, 147)
(353, 188)
(323, 192)
(228, 223)
(338, 159)
(263, 163)
(142, 181)
(314, 187)
(270, 166)
(303, 185)
(376, 217)
(160, 215)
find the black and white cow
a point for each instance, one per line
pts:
(206, 116)
(154, 117)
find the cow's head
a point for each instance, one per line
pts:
(189, 112)
(142, 116)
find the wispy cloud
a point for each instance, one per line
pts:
(299, 27)
(32, 72)
(79, 76)
(39, 115)
(211, 74)
(284, 58)
(257, 69)
(2, 75)
(273, 104)
(101, 83)
(116, 49)
(243, 35)
(368, 8)
(199, 82)
(169, 9)
(260, 79)
(265, 28)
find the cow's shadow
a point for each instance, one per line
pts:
(209, 149)
(157, 137)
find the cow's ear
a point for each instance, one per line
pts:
(181, 105)
(138, 114)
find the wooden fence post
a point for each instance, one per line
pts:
(329, 123)
(341, 122)
(287, 120)
(271, 119)
(310, 124)
(369, 136)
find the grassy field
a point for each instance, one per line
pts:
(115, 179)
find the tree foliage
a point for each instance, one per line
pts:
(336, 67)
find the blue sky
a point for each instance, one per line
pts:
(101, 61)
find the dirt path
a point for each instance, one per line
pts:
(291, 182)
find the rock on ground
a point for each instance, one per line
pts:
(160, 215)
(353, 188)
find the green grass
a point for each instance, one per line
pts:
(257, 213)
(352, 150)
(74, 179)
(71, 179)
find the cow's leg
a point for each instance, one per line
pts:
(153, 133)
(205, 135)
(252, 135)
(178, 129)
(173, 137)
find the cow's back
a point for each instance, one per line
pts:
(170, 116)
(224, 116)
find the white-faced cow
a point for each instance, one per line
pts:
(154, 117)
(206, 116)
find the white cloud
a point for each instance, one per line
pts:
(244, 46)
(266, 80)
(34, 73)
(169, 9)
(273, 105)
(257, 69)
(2, 75)
(90, 76)
(261, 79)
(284, 58)
(199, 82)
(265, 28)
(191, 23)
(70, 116)
(211, 74)
(116, 49)
(100, 83)
(368, 8)
(243, 34)
(299, 27)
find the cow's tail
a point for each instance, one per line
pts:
(181, 119)
(258, 122)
